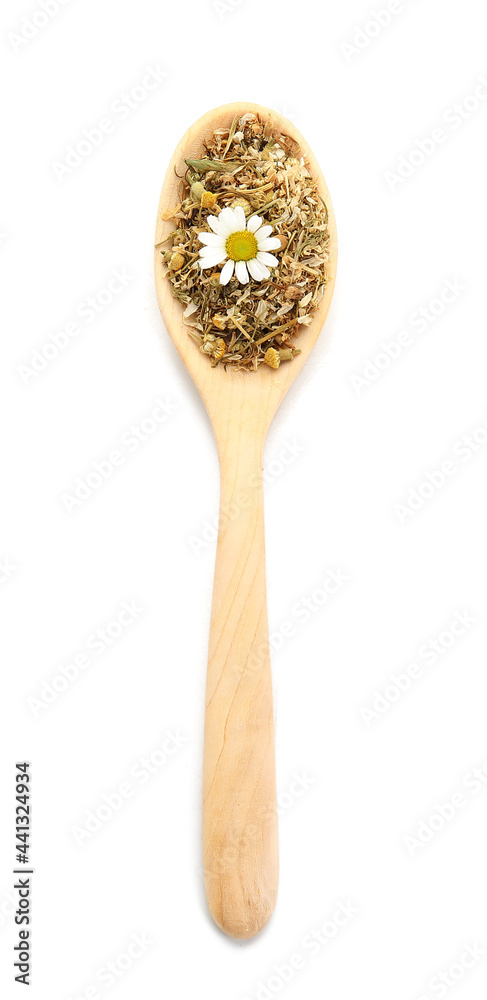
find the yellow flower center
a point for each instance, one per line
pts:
(241, 246)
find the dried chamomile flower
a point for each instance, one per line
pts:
(176, 261)
(208, 199)
(242, 203)
(272, 358)
(219, 348)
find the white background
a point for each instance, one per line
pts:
(361, 449)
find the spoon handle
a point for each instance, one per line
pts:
(239, 787)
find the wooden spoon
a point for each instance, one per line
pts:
(239, 788)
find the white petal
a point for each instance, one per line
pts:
(257, 270)
(264, 270)
(227, 272)
(240, 216)
(212, 261)
(241, 272)
(271, 243)
(216, 225)
(213, 251)
(212, 239)
(229, 220)
(261, 233)
(217, 257)
(213, 258)
(267, 258)
(253, 223)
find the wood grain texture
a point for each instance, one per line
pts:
(239, 793)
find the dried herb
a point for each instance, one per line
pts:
(254, 165)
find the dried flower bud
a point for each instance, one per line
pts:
(242, 203)
(197, 190)
(271, 358)
(176, 261)
(219, 321)
(284, 241)
(293, 292)
(208, 199)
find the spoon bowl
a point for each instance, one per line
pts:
(239, 790)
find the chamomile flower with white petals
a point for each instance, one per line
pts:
(243, 245)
